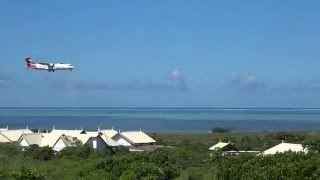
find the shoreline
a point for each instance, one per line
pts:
(168, 119)
(162, 131)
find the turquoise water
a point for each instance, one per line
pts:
(163, 119)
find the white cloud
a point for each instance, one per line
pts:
(246, 80)
(178, 79)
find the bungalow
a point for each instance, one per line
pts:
(110, 142)
(13, 134)
(285, 147)
(133, 138)
(26, 140)
(93, 139)
(58, 142)
(109, 132)
(225, 148)
(59, 139)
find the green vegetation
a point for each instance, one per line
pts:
(279, 166)
(185, 157)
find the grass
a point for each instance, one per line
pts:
(211, 137)
(205, 138)
(259, 140)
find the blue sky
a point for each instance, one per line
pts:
(165, 53)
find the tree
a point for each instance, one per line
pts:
(246, 143)
(44, 153)
(312, 142)
(167, 160)
(76, 142)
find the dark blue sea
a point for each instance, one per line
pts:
(196, 120)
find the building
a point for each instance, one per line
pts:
(285, 147)
(26, 140)
(110, 142)
(109, 132)
(93, 140)
(60, 143)
(225, 148)
(4, 138)
(133, 138)
(60, 139)
(12, 135)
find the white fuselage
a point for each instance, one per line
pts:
(52, 66)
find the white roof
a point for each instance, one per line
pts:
(15, 134)
(43, 134)
(85, 137)
(218, 145)
(65, 139)
(137, 137)
(34, 138)
(109, 132)
(109, 141)
(283, 147)
(51, 138)
(4, 139)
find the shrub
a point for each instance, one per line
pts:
(43, 153)
(195, 173)
(83, 152)
(279, 166)
(141, 170)
(27, 173)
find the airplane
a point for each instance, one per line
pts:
(47, 66)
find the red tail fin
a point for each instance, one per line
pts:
(29, 61)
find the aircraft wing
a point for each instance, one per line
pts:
(47, 64)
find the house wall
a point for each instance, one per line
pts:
(59, 145)
(24, 143)
(97, 143)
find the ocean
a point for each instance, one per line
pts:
(161, 119)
